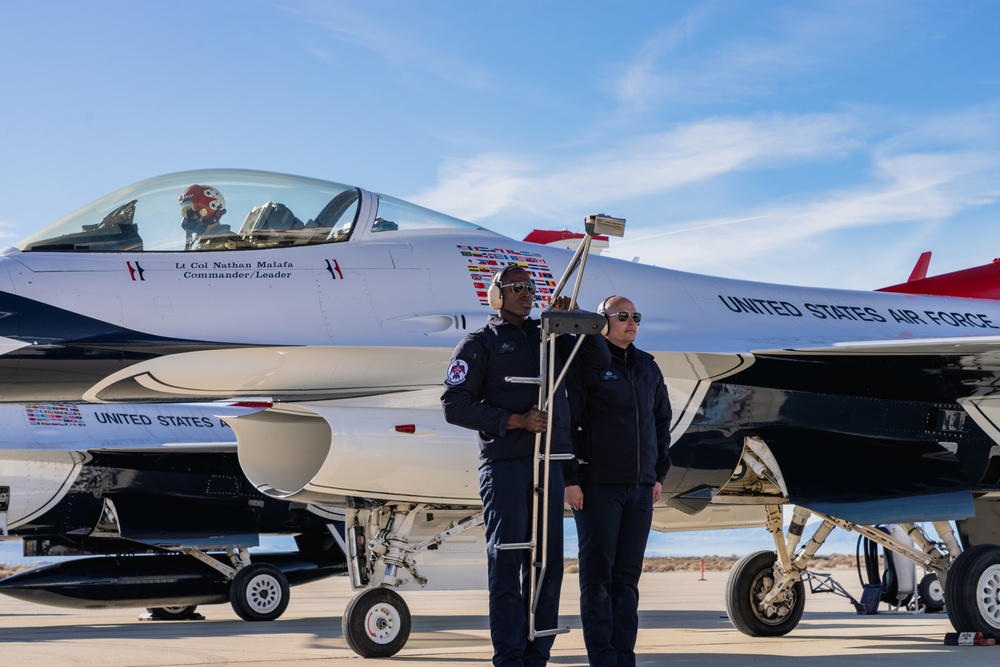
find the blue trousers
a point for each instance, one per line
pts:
(612, 527)
(506, 489)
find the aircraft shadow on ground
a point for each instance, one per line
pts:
(330, 626)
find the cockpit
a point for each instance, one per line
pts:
(233, 210)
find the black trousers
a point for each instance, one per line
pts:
(506, 488)
(612, 527)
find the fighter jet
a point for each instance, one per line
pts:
(159, 489)
(343, 305)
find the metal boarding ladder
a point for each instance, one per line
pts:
(554, 323)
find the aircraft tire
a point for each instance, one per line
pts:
(259, 592)
(376, 623)
(931, 592)
(972, 590)
(749, 581)
(178, 613)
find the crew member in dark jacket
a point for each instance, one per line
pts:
(506, 416)
(621, 429)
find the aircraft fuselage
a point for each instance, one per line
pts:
(362, 294)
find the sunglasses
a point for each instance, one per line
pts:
(623, 316)
(517, 287)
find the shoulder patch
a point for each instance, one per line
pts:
(457, 372)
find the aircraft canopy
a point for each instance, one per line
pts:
(261, 210)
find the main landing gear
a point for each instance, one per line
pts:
(765, 593)
(257, 591)
(972, 590)
(751, 580)
(765, 596)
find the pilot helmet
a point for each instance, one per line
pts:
(202, 203)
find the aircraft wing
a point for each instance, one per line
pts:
(981, 346)
(873, 432)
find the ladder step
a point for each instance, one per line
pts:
(550, 633)
(523, 380)
(514, 545)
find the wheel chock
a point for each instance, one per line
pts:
(968, 639)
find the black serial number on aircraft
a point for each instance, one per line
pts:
(825, 311)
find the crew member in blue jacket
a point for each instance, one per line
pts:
(621, 431)
(507, 417)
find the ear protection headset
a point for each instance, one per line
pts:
(602, 310)
(495, 294)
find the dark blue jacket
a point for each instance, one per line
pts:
(477, 395)
(620, 421)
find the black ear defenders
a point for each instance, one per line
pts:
(495, 294)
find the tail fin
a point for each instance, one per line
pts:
(920, 270)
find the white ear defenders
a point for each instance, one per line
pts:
(495, 294)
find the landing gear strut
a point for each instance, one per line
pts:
(404, 546)
(257, 591)
(765, 593)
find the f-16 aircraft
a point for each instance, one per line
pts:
(158, 486)
(343, 305)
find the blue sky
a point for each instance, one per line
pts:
(817, 143)
(821, 143)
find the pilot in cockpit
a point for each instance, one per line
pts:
(202, 208)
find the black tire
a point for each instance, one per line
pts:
(889, 586)
(259, 592)
(751, 578)
(178, 613)
(931, 593)
(972, 590)
(890, 591)
(376, 623)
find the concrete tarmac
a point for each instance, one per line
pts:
(682, 619)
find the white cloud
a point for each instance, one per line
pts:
(782, 46)
(899, 181)
(396, 39)
(640, 76)
(915, 189)
(554, 188)
(481, 186)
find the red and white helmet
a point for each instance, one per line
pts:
(203, 202)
